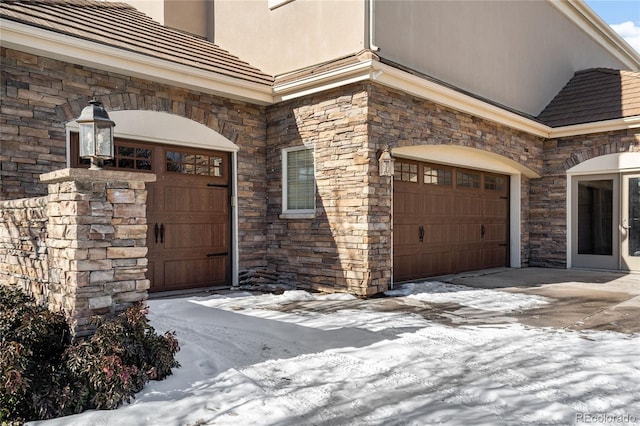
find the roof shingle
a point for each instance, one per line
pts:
(592, 95)
(122, 26)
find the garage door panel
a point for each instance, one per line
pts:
(468, 259)
(495, 208)
(405, 235)
(464, 215)
(440, 233)
(193, 200)
(438, 205)
(212, 236)
(187, 273)
(435, 263)
(469, 233)
(467, 205)
(495, 257)
(495, 233)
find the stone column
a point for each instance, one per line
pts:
(96, 237)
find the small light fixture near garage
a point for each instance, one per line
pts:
(96, 134)
(385, 162)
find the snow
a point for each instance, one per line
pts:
(306, 359)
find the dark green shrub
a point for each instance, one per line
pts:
(44, 375)
(32, 342)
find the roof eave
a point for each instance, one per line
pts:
(596, 127)
(38, 41)
(587, 20)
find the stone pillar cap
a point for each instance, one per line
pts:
(64, 175)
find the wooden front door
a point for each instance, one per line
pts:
(188, 212)
(448, 220)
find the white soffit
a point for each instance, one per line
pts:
(30, 39)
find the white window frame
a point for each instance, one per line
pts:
(286, 211)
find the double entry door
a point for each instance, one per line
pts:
(605, 225)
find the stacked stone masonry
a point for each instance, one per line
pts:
(548, 213)
(39, 95)
(24, 257)
(347, 245)
(82, 248)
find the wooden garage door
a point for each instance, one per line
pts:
(188, 214)
(448, 220)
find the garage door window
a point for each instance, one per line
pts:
(494, 183)
(133, 157)
(437, 176)
(405, 172)
(194, 164)
(467, 180)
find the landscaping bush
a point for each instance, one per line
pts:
(44, 375)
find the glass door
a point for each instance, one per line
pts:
(595, 224)
(630, 229)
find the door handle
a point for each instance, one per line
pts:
(156, 230)
(483, 230)
(162, 233)
(421, 233)
(625, 223)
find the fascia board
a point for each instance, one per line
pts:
(54, 45)
(589, 22)
(596, 127)
(323, 81)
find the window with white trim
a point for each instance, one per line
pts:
(298, 181)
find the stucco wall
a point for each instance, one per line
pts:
(39, 95)
(548, 214)
(295, 35)
(516, 53)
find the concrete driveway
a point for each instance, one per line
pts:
(579, 300)
(582, 299)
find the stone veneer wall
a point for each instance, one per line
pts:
(24, 258)
(548, 213)
(82, 248)
(38, 95)
(347, 245)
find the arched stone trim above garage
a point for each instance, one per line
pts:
(472, 158)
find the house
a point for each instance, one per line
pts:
(513, 126)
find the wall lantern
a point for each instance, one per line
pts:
(96, 134)
(385, 162)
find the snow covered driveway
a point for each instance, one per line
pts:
(303, 359)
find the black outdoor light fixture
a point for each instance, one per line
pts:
(96, 134)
